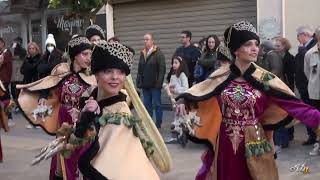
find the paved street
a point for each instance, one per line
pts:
(20, 145)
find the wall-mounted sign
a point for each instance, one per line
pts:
(68, 24)
(269, 28)
(63, 26)
(7, 30)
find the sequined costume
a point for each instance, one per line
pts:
(70, 91)
(232, 113)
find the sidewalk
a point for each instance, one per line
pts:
(21, 145)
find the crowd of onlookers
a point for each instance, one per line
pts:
(194, 62)
(300, 71)
(191, 63)
(36, 64)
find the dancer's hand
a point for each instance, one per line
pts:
(42, 102)
(92, 106)
(181, 110)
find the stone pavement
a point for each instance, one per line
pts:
(20, 145)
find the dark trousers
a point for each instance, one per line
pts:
(282, 136)
(152, 98)
(305, 98)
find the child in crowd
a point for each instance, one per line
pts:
(178, 83)
(179, 79)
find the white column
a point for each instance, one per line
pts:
(29, 28)
(109, 21)
(24, 29)
(44, 28)
(270, 18)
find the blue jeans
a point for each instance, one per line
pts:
(152, 98)
(281, 137)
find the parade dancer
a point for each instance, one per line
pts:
(119, 138)
(233, 105)
(62, 90)
(95, 33)
(106, 123)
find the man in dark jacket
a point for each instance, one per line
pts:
(151, 71)
(189, 53)
(304, 36)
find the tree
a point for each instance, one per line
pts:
(83, 8)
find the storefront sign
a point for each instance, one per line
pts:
(7, 30)
(68, 25)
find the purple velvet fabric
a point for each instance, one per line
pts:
(307, 114)
(207, 159)
(69, 93)
(71, 163)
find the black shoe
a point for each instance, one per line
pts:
(309, 142)
(285, 146)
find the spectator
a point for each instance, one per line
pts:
(202, 43)
(151, 71)
(177, 85)
(179, 80)
(29, 66)
(304, 36)
(189, 53)
(50, 59)
(312, 72)
(17, 49)
(270, 60)
(208, 60)
(283, 46)
(5, 74)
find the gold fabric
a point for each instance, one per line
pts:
(121, 155)
(57, 74)
(29, 95)
(161, 156)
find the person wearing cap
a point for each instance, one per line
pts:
(234, 105)
(62, 90)
(51, 57)
(95, 33)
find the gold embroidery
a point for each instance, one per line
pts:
(235, 136)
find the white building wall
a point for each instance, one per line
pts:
(269, 18)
